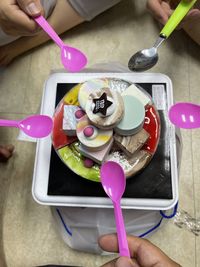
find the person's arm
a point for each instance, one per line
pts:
(15, 16)
(143, 253)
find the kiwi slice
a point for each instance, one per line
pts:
(71, 156)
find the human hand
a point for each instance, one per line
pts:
(162, 10)
(143, 253)
(6, 152)
(15, 16)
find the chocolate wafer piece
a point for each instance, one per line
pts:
(130, 144)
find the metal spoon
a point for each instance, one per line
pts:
(147, 58)
(114, 182)
(36, 126)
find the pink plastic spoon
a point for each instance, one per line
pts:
(36, 126)
(72, 59)
(185, 115)
(114, 182)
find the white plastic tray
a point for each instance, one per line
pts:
(43, 151)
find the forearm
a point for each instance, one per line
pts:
(64, 17)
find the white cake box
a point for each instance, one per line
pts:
(161, 90)
(82, 218)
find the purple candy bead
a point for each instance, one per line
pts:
(88, 131)
(88, 163)
(79, 114)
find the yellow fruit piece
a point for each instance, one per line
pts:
(71, 98)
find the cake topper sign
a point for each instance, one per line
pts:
(101, 104)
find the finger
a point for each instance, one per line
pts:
(2, 64)
(20, 21)
(144, 251)
(110, 263)
(167, 9)
(10, 148)
(154, 6)
(191, 17)
(4, 154)
(16, 30)
(110, 243)
(192, 14)
(140, 249)
(121, 262)
(32, 7)
(124, 261)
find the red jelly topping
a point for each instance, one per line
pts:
(152, 126)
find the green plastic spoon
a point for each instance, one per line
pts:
(147, 58)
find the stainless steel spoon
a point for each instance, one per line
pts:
(147, 58)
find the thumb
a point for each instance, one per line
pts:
(192, 15)
(32, 8)
(126, 262)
